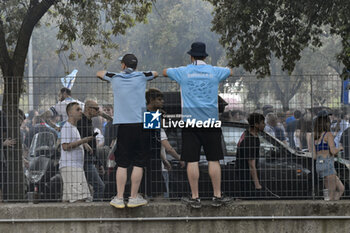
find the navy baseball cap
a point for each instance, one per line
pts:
(130, 60)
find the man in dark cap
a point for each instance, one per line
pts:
(129, 87)
(199, 89)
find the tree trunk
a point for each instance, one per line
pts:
(14, 184)
(285, 104)
(13, 69)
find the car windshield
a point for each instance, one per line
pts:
(231, 138)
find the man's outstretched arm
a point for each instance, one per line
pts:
(152, 74)
(100, 74)
(46, 116)
(164, 73)
(155, 74)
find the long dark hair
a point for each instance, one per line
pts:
(305, 125)
(322, 124)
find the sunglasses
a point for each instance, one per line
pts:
(96, 108)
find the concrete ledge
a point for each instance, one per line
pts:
(172, 216)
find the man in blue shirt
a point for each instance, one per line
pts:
(199, 92)
(133, 147)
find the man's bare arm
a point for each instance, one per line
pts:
(106, 116)
(164, 73)
(72, 145)
(100, 74)
(170, 149)
(254, 173)
(155, 74)
(46, 117)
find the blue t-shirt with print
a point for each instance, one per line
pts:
(129, 89)
(199, 89)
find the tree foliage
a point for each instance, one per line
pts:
(255, 30)
(93, 23)
(172, 27)
(288, 89)
(161, 42)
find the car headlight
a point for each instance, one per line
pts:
(301, 171)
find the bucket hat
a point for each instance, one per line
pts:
(197, 50)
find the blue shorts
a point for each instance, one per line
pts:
(325, 166)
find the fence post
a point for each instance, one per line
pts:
(312, 136)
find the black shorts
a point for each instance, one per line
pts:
(133, 145)
(194, 138)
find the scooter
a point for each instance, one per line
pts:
(42, 174)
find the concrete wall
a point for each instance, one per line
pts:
(100, 217)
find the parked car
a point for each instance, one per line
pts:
(285, 172)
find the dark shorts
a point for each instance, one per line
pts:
(194, 138)
(133, 146)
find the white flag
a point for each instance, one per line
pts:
(68, 81)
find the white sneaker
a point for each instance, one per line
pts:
(136, 202)
(117, 202)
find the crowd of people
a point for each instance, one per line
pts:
(94, 122)
(82, 128)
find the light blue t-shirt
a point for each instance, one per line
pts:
(199, 89)
(129, 95)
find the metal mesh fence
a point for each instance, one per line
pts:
(285, 167)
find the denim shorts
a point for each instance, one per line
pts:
(325, 166)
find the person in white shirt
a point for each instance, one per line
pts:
(71, 164)
(59, 109)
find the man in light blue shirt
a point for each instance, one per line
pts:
(133, 147)
(199, 84)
